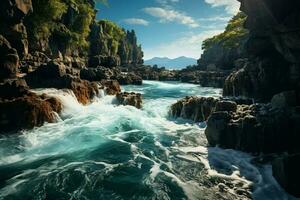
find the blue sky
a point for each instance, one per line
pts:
(170, 28)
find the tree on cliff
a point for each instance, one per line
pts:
(232, 36)
(221, 51)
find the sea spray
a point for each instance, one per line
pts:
(105, 151)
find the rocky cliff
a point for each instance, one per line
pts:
(58, 44)
(273, 50)
(266, 119)
(222, 51)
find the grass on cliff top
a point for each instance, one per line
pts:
(232, 36)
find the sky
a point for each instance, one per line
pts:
(170, 28)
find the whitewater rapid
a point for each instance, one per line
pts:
(105, 151)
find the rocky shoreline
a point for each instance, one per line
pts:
(259, 111)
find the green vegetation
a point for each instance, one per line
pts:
(65, 20)
(232, 36)
(110, 36)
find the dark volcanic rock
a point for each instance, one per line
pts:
(197, 109)
(129, 79)
(13, 88)
(286, 172)
(53, 75)
(106, 61)
(9, 60)
(273, 49)
(255, 128)
(31, 110)
(22, 109)
(131, 99)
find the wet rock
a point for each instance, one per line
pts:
(112, 87)
(217, 124)
(54, 75)
(31, 111)
(255, 128)
(286, 172)
(197, 109)
(131, 99)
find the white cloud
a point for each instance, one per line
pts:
(136, 21)
(171, 15)
(231, 6)
(189, 45)
(215, 19)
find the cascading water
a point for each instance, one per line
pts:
(104, 151)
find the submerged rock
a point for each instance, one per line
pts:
(131, 99)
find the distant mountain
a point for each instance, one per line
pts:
(176, 63)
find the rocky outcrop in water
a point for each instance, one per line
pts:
(22, 109)
(197, 109)
(131, 99)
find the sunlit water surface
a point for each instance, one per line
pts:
(104, 151)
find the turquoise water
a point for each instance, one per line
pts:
(104, 151)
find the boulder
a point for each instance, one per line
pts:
(112, 87)
(131, 99)
(31, 111)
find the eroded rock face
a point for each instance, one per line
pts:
(131, 99)
(9, 60)
(255, 128)
(197, 109)
(273, 49)
(54, 75)
(31, 109)
(12, 13)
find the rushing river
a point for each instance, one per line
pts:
(104, 151)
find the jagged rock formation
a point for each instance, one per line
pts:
(273, 50)
(48, 44)
(22, 109)
(131, 99)
(197, 109)
(115, 45)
